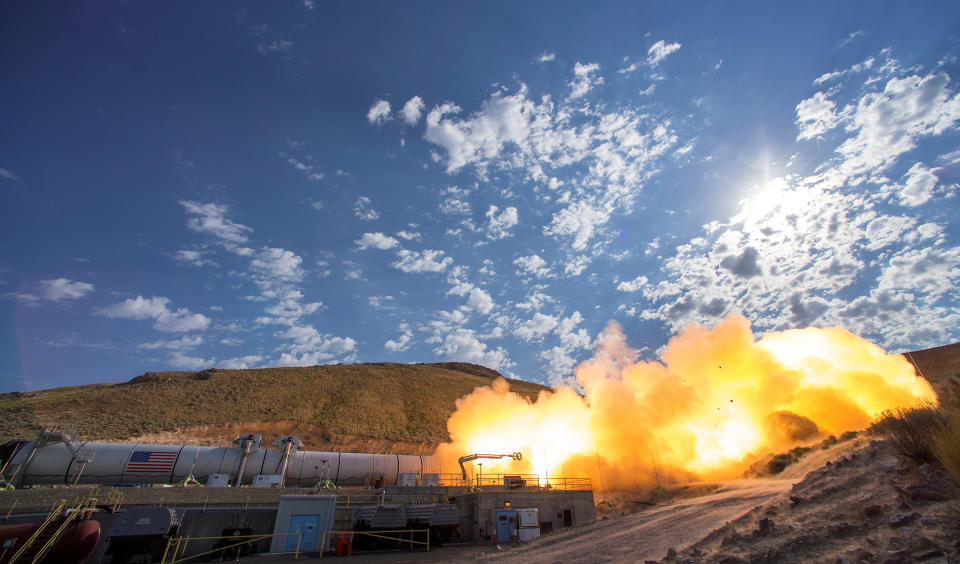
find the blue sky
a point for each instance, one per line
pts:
(201, 185)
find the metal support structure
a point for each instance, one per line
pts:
(247, 443)
(469, 457)
(288, 445)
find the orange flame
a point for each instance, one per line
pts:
(718, 400)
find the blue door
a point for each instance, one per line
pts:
(306, 525)
(506, 524)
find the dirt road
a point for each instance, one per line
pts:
(649, 534)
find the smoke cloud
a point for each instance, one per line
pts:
(717, 401)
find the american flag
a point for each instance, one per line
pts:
(151, 461)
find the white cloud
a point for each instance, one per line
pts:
(889, 123)
(211, 219)
(56, 290)
(815, 116)
(409, 235)
(480, 301)
(428, 261)
(535, 328)
(184, 343)
(462, 345)
(584, 79)
(241, 362)
(312, 347)
(311, 171)
(411, 110)
(633, 285)
(362, 209)
(919, 186)
(274, 263)
(377, 241)
(887, 230)
(499, 224)
(6, 174)
(165, 319)
(379, 112)
(275, 47)
(580, 220)
(533, 265)
(184, 362)
(193, 258)
(403, 342)
(659, 51)
(546, 57)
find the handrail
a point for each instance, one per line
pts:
(382, 535)
(250, 539)
(51, 516)
(56, 535)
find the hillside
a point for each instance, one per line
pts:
(941, 367)
(340, 405)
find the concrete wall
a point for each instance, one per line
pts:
(478, 509)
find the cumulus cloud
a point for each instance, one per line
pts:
(312, 347)
(815, 116)
(535, 328)
(499, 223)
(428, 261)
(55, 290)
(659, 51)
(211, 219)
(362, 209)
(585, 77)
(533, 265)
(632, 285)
(480, 300)
(156, 308)
(579, 220)
(744, 265)
(185, 362)
(401, 343)
(411, 110)
(275, 263)
(889, 123)
(376, 241)
(462, 345)
(379, 112)
(241, 362)
(192, 257)
(919, 186)
(546, 57)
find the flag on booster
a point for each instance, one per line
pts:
(147, 461)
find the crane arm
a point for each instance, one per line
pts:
(469, 457)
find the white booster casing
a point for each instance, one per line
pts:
(128, 463)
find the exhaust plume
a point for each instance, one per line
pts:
(717, 401)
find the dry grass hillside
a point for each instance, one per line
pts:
(393, 403)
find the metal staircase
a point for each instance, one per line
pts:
(39, 544)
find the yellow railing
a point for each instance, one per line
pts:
(179, 545)
(384, 535)
(51, 517)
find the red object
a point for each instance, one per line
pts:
(73, 546)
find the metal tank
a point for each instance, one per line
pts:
(49, 461)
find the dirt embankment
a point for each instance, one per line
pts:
(856, 502)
